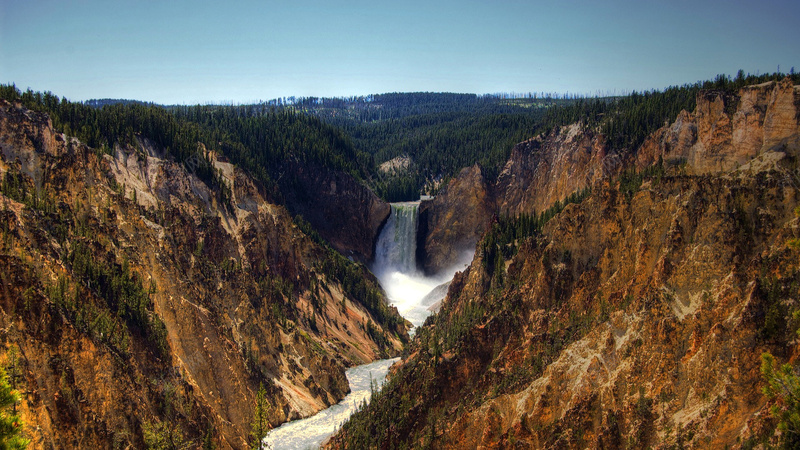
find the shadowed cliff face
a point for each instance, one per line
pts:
(137, 301)
(451, 223)
(344, 212)
(634, 318)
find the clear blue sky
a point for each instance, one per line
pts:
(176, 51)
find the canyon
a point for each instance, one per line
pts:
(614, 297)
(636, 315)
(215, 298)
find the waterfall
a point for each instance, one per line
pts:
(397, 244)
(396, 266)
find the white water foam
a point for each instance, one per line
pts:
(310, 433)
(396, 268)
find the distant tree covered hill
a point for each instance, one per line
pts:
(382, 107)
(100, 102)
(439, 133)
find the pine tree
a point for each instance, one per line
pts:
(783, 386)
(260, 425)
(10, 423)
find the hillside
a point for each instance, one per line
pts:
(276, 148)
(160, 264)
(148, 293)
(608, 141)
(623, 295)
(435, 134)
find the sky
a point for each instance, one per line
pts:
(187, 52)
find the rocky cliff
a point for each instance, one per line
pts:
(635, 322)
(635, 318)
(540, 171)
(451, 223)
(140, 304)
(550, 167)
(344, 212)
(725, 131)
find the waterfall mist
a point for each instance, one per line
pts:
(396, 268)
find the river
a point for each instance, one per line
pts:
(311, 432)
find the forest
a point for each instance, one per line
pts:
(439, 133)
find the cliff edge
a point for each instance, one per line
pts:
(140, 303)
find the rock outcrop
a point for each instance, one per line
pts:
(136, 301)
(343, 211)
(548, 168)
(634, 318)
(452, 223)
(726, 131)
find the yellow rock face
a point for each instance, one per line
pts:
(235, 288)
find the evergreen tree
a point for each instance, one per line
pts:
(10, 423)
(260, 425)
(783, 386)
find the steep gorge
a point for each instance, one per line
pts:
(139, 302)
(633, 318)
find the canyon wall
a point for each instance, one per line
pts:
(451, 223)
(139, 302)
(633, 318)
(724, 132)
(343, 211)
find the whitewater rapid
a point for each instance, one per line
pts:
(310, 433)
